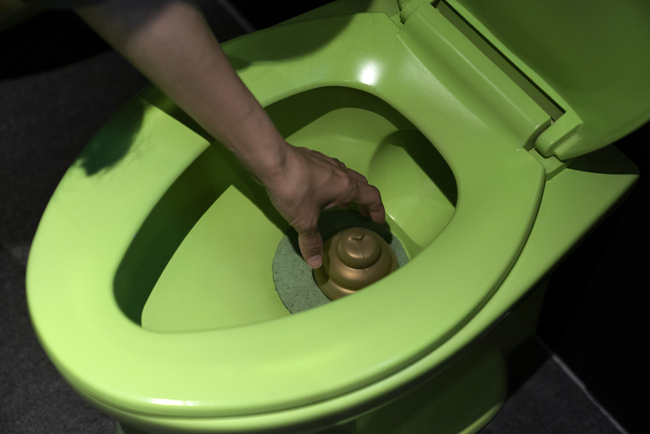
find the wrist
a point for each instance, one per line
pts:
(268, 163)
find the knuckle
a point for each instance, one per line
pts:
(348, 184)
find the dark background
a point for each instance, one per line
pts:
(595, 315)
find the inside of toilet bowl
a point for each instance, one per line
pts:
(202, 259)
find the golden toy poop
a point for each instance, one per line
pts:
(352, 260)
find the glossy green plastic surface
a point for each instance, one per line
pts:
(93, 243)
(149, 280)
(590, 58)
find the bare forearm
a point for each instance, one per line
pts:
(170, 43)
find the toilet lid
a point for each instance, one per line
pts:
(289, 364)
(591, 59)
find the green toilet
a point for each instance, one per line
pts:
(485, 126)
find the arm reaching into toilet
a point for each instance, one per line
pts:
(170, 42)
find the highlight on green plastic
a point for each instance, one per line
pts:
(150, 282)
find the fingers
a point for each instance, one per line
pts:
(357, 176)
(366, 196)
(311, 247)
(363, 210)
(370, 205)
(311, 182)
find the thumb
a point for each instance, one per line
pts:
(311, 247)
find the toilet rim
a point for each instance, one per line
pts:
(259, 368)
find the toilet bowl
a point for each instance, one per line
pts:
(146, 295)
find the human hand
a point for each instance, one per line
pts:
(310, 182)
(168, 40)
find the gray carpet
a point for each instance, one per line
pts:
(46, 117)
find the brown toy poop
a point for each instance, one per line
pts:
(353, 259)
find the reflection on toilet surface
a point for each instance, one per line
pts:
(214, 269)
(150, 280)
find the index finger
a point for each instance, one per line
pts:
(369, 196)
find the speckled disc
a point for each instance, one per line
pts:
(293, 278)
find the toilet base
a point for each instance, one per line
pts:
(125, 429)
(348, 428)
(463, 397)
(460, 398)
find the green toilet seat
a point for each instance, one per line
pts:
(289, 364)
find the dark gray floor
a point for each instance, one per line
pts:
(46, 117)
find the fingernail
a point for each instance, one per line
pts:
(315, 261)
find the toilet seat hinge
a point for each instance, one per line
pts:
(558, 137)
(408, 6)
(449, 48)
